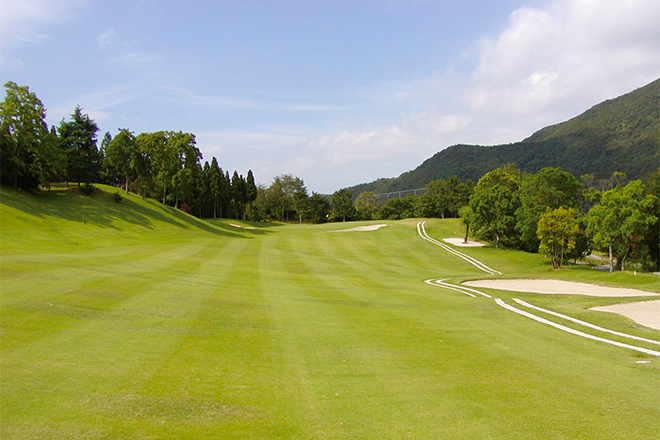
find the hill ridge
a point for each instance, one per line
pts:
(619, 134)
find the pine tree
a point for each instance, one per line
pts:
(78, 139)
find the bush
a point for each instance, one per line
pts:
(117, 197)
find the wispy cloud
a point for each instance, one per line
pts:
(189, 98)
(21, 22)
(98, 105)
(107, 38)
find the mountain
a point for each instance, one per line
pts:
(621, 134)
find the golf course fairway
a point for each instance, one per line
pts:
(133, 320)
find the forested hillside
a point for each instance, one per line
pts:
(621, 134)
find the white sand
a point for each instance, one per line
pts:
(241, 227)
(459, 242)
(360, 228)
(646, 313)
(557, 287)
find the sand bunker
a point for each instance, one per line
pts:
(557, 287)
(459, 242)
(646, 313)
(360, 228)
(241, 227)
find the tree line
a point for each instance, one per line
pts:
(164, 165)
(550, 211)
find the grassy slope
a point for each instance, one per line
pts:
(136, 321)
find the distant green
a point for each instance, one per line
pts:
(133, 320)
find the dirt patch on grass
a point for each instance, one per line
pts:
(558, 287)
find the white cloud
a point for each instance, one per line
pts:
(565, 58)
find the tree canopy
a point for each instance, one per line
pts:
(28, 152)
(494, 203)
(621, 220)
(558, 231)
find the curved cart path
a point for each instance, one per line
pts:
(474, 292)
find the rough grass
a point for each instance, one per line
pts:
(134, 320)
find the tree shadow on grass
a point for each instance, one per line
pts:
(102, 210)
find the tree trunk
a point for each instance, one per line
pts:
(467, 230)
(623, 259)
(611, 259)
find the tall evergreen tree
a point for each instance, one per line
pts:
(78, 139)
(250, 191)
(215, 175)
(205, 197)
(238, 194)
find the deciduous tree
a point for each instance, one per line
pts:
(319, 208)
(342, 204)
(24, 151)
(548, 188)
(557, 231)
(366, 205)
(621, 220)
(494, 203)
(119, 155)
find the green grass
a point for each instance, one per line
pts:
(134, 320)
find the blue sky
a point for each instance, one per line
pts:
(335, 92)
